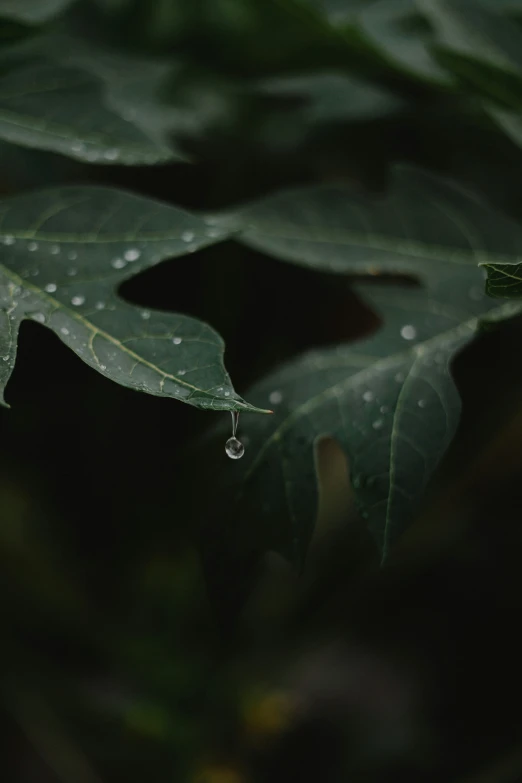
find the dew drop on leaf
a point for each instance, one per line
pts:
(176, 340)
(39, 317)
(55, 249)
(50, 288)
(73, 255)
(368, 396)
(187, 236)
(377, 424)
(408, 332)
(32, 246)
(77, 300)
(421, 403)
(118, 263)
(132, 254)
(275, 397)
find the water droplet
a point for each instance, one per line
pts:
(55, 249)
(78, 146)
(377, 424)
(111, 154)
(408, 332)
(422, 403)
(5, 358)
(132, 254)
(227, 394)
(99, 305)
(39, 317)
(368, 396)
(72, 271)
(187, 236)
(50, 288)
(103, 367)
(145, 314)
(72, 256)
(399, 377)
(214, 232)
(118, 263)
(275, 397)
(78, 300)
(182, 372)
(64, 331)
(32, 246)
(384, 409)
(234, 448)
(176, 340)
(9, 240)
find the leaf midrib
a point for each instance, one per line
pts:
(388, 244)
(62, 132)
(94, 330)
(381, 364)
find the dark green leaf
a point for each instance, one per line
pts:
(62, 109)
(393, 27)
(472, 29)
(390, 402)
(32, 11)
(425, 226)
(64, 253)
(333, 97)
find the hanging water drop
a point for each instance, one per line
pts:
(233, 447)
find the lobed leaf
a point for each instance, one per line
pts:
(390, 401)
(425, 226)
(63, 252)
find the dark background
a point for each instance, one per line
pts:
(118, 662)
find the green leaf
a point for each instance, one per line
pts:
(425, 226)
(472, 29)
(333, 97)
(66, 250)
(62, 109)
(395, 29)
(389, 401)
(32, 11)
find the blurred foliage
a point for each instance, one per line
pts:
(142, 639)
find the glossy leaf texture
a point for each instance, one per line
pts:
(32, 11)
(424, 226)
(390, 401)
(63, 109)
(63, 253)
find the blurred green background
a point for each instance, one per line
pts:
(120, 661)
